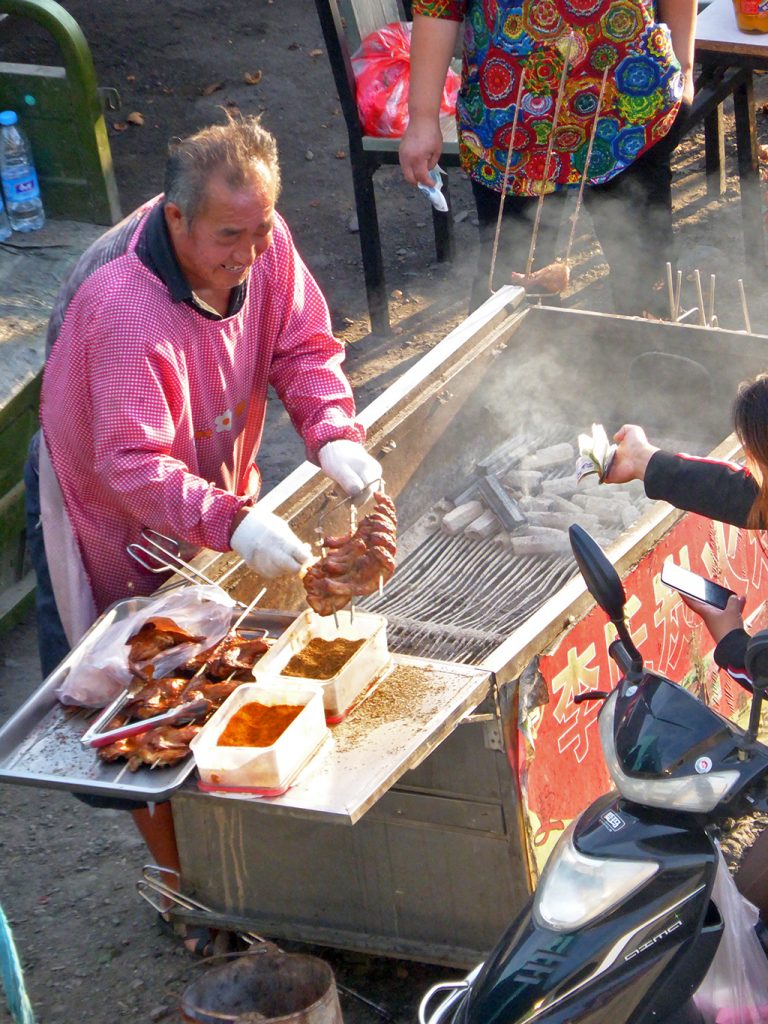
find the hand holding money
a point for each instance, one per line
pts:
(633, 453)
(596, 454)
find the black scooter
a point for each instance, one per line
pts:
(621, 928)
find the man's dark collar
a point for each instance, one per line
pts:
(155, 250)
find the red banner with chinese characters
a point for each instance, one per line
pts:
(561, 768)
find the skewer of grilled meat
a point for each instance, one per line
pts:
(234, 653)
(354, 565)
(164, 745)
(552, 279)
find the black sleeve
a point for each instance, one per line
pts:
(729, 655)
(719, 490)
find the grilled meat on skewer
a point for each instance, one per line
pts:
(233, 654)
(154, 697)
(166, 744)
(156, 635)
(354, 564)
(215, 692)
(552, 279)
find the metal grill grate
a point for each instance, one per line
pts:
(456, 599)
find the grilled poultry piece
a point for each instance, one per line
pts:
(227, 663)
(355, 564)
(215, 692)
(166, 744)
(156, 635)
(233, 654)
(154, 697)
(552, 279)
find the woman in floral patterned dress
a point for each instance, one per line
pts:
(648, 54)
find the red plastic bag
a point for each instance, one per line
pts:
(382, 67)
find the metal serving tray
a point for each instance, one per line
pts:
(40, 745)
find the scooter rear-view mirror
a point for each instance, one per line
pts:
(604, 584)
(601, 578)
(756, 663)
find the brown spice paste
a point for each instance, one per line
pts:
(321, 659)
(258, 725)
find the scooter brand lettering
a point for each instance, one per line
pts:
(612, 821)
(656, 938)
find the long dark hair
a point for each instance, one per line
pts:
(750, 421)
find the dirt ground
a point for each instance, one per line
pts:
(90, 947)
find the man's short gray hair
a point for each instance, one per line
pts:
(235, 149)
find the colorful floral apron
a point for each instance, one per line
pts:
(641, 95)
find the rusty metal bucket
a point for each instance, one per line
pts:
(264, 986)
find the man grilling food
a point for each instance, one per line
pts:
(162, 345)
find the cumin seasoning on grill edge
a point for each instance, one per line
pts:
(258, 725)
(321, 659)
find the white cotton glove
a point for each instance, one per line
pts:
(353, 469)
(268, 545)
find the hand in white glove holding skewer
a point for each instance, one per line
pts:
(267, 544)
(353, 469)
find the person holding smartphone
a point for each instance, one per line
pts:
(720, 490)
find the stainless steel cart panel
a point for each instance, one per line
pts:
(405, 716)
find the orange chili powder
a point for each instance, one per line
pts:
(258, 725)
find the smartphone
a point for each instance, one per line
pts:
(693, 585)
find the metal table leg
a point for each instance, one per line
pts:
(749, 178)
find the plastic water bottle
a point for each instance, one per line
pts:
(5, 224)
(18, 175)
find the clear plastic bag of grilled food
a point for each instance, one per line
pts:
(151, 641)
(735, 988)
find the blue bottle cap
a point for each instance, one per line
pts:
(8, 117)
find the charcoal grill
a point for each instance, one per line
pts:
(439, 864)
(417, 842)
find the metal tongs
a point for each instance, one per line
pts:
(183, 712)
(164, 555)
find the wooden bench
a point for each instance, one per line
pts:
(345, 23)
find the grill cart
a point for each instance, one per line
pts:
(420, 827)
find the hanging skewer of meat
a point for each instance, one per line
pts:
(354, 565)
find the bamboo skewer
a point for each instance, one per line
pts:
(711, 318)
(505, 181)
(548, 157)
(700, 297)
(582, 183)
(670, 292)
(678, 290)
(744, 309)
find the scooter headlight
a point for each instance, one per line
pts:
(576, 889)
(699, 794)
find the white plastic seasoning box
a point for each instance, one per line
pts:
(270, 768)
(367, 663)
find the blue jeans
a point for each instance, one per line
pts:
(51, 638)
